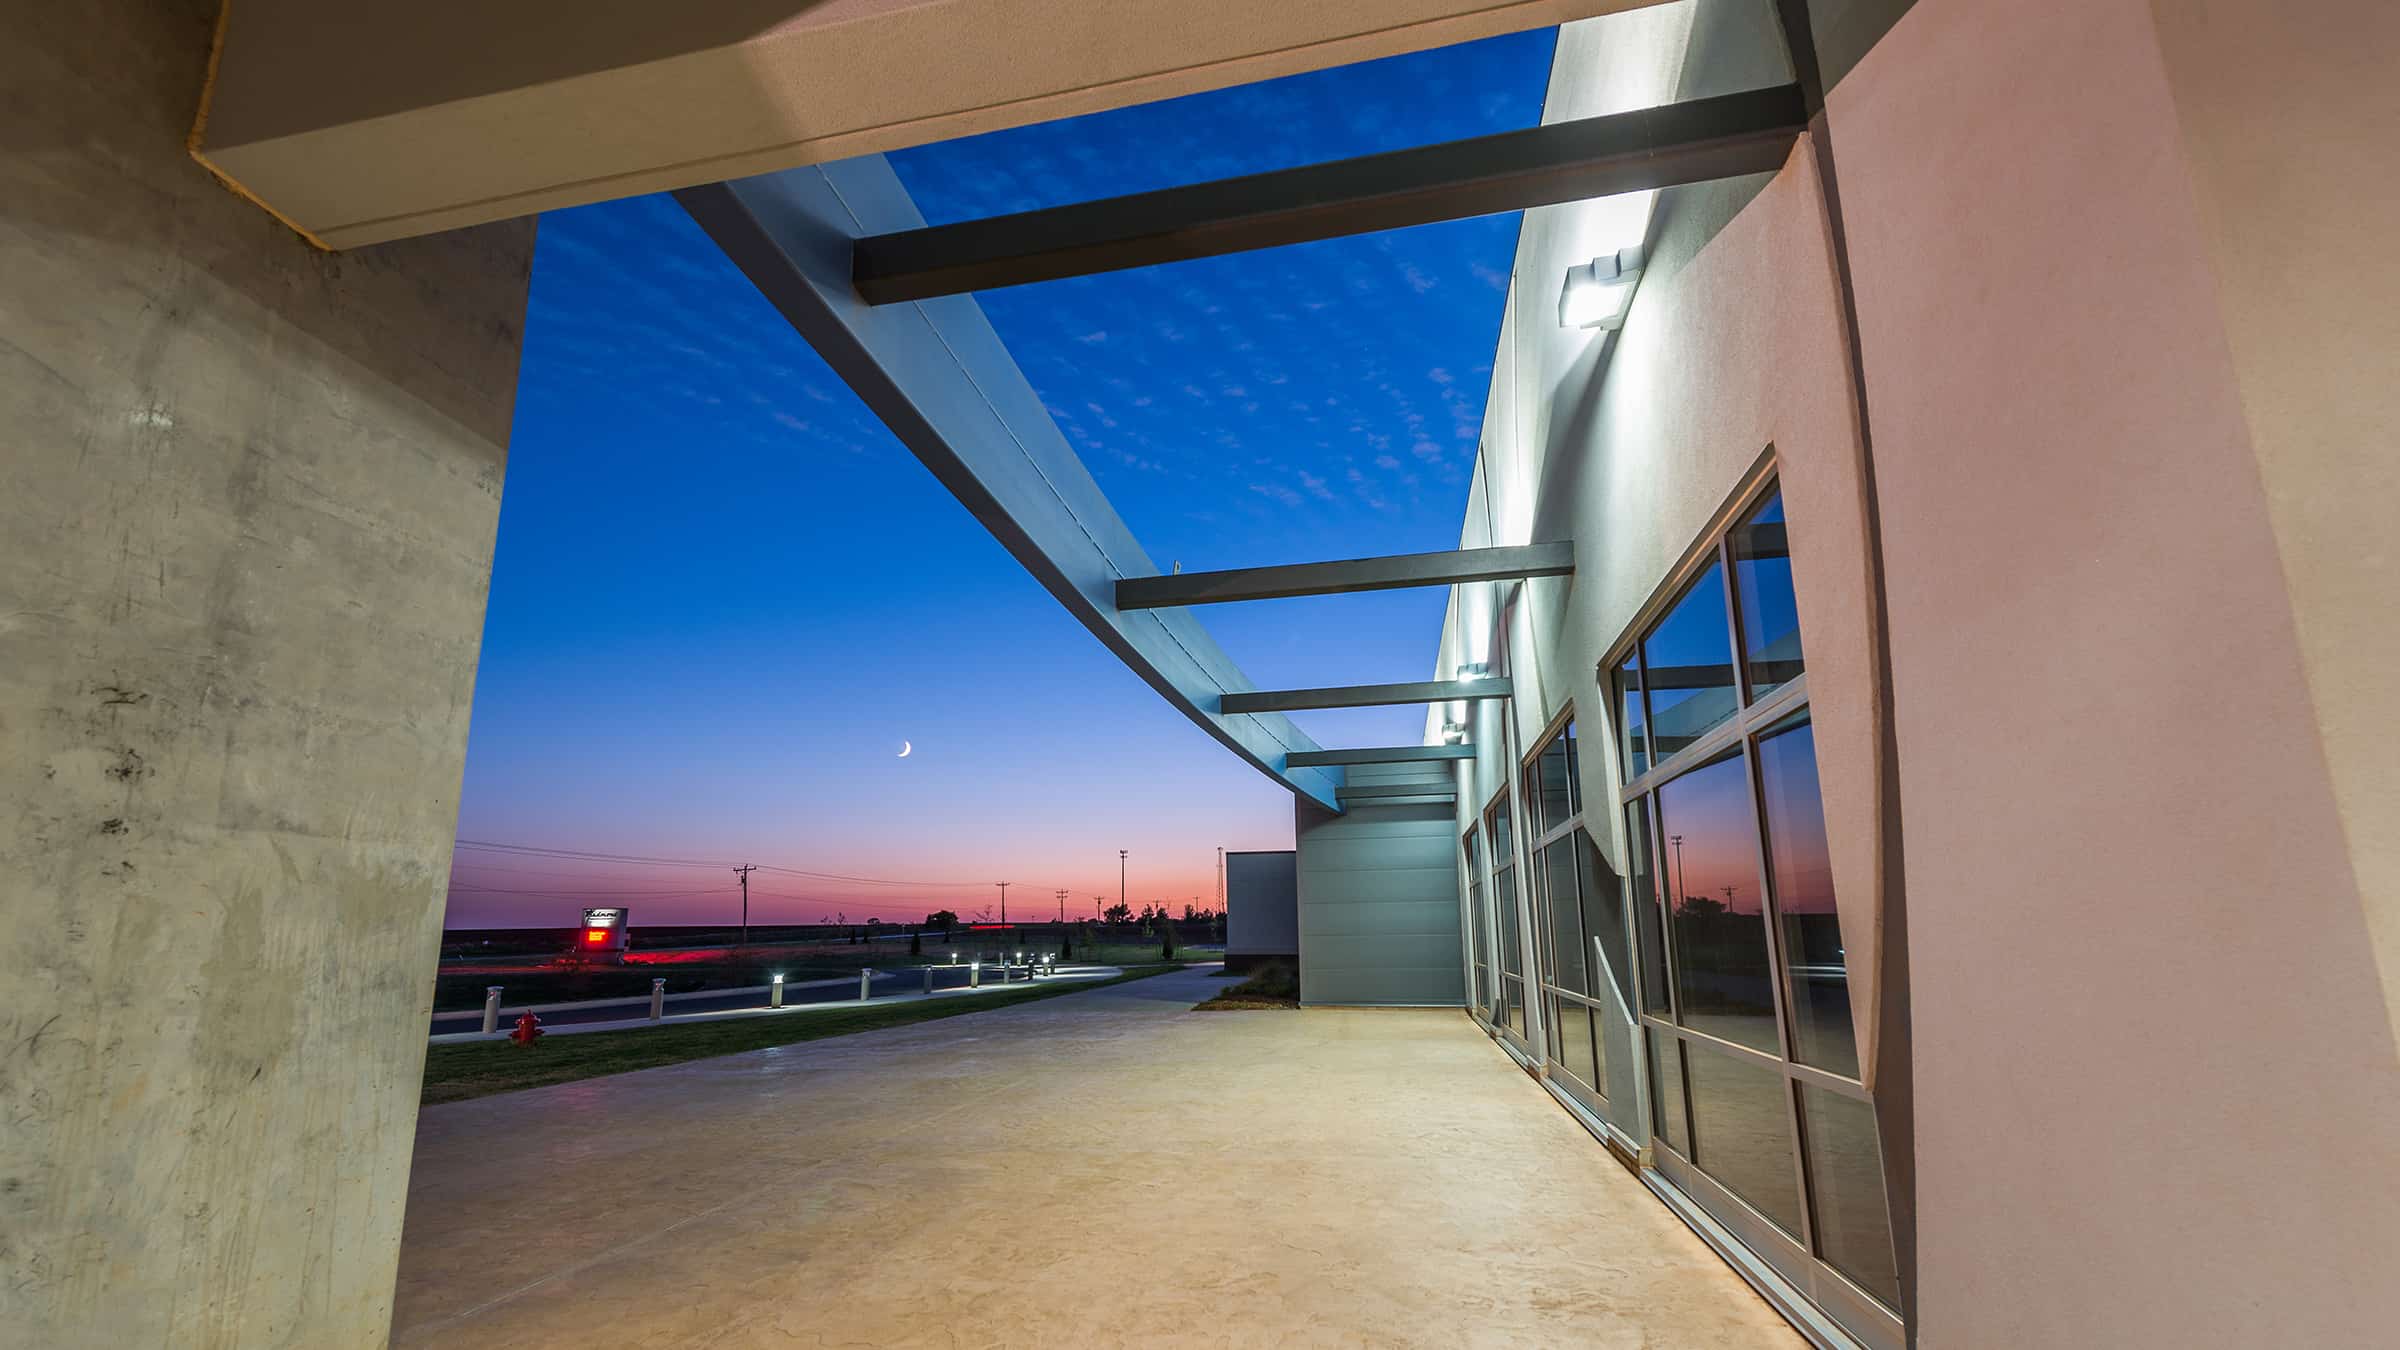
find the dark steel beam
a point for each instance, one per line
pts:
(1689, 142)
(1348, 576)
(1389, 793)
(1362, 696)
(1376, 754)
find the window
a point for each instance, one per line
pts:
(1480, 944)
(1585, 987)
(1743, 977)
(1498, 830)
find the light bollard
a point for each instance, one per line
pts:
(866, 976)
(774, 991)
(975, 974)
(491, 1009)
(928, 979)
(658, 999)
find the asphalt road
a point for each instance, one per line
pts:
(904, 981)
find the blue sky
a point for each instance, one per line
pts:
(724, 594)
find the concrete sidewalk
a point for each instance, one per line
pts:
(1101, 1169)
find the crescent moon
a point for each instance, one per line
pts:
(905, 747)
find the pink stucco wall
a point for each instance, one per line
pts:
(2156, 1099)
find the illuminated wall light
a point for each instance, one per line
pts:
(1597, 294)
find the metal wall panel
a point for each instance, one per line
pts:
(1378, 890)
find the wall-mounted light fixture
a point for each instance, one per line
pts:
(1597, 293)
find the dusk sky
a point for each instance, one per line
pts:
(725, 595)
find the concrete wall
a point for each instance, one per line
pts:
(1262, 906)
(247, 499)
(1379, 897)
(2130, 523)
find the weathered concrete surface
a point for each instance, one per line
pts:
(247, 499)
(1107, 1169)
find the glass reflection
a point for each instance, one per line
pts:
(1666, 1101)
(1762, 584)
(1603, 904)
(1742, 1132)
(1723, 982)
(1846, 1164)
(1629, 717)
(1549, 797)
(1575, 1043)
(1687, 664)
(1803, 870)
(1574, 769)
(1644, 899)
(1567, 950)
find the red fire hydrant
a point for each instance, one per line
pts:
(529, 1030)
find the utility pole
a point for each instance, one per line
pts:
(1097, 912)
(1220, 876)
(1729, 899)
(1677, 903)
(1120, 876)
(1062, 904)
(1003, 902)
(744, 872)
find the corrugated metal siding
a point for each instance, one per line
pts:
(1379, 898)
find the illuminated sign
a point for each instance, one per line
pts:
(604, 929)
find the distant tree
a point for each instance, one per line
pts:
(853, 937)
(1189, 913)
(1066, 941)
(943, 919)
(916, 942)
(1700, 908)
(1166, 937)
(1119, 912)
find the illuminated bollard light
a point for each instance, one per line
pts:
(866, 976)
(928, 979)
(975, 974)
(491, 1009)
(774, 991)
(658, 999)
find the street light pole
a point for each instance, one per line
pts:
(1003, 902)
(1677, 841)
(1120, 878)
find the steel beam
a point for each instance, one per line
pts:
(1385, 792)
(1688, 142)
(1378, 754)
(939, 377)
(1348, 576)
(1362, 696)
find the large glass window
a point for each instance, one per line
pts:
(1498, 829)
(1802, 870)
(1585, 988)
(1845, 1162)
(1687, 667)
(1743, 977)
(1762, 564)
(1480, 944)
(1724, 980)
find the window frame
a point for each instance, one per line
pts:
(1739, 733)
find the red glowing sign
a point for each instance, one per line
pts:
(596, 936)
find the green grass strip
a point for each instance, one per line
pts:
(455, 1073)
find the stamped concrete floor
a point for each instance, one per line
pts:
(1100, 1169)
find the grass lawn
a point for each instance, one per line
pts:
(454, 1073)
(1270, 986)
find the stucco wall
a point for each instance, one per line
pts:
(2155, 1084)
(247, 499)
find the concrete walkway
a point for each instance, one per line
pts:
(1101, 1169)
